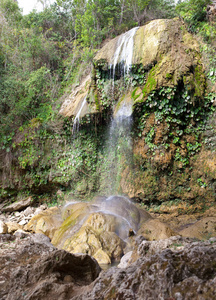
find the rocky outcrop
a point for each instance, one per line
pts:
(100, 228)
(185, 273)
(166, 49)
(73, 102)
(31, 268)
(162, 46)
(17, 206)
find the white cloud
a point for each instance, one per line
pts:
(29, 5)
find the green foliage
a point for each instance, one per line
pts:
(176, 108)
(193, 12)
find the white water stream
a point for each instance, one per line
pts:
(124, 51)
(77, 118)
(118, 148)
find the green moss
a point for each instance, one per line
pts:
(151, 82)
(199, 83)
(96, 101)
(169, 76)
(69, 222)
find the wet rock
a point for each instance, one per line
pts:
(95, 232)
(3, 227)
(32, 270)
(46, 222)
(189, 273)
(17, 206)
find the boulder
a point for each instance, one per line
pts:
(202, 229)
(104, 246)
(32, 270)
(46, 222)
(17, 206)
(188, 273)
(154, 229)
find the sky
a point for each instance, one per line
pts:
(29, 5)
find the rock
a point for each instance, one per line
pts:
(46, 222)
(3, 227)
(13, 226)
(23, 222)
(102, 257)
(73, 102)
(3, 218)
(211, 12)
(154, 45)
(156, 230)
(125, 260)
(28, 211)
(189, 273)
(21, 234)
(29, 270)
(202, 229)
(17, 206)
(40, 209)
(5, 238)
(98, 232)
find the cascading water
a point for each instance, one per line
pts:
(118, 150)
(77, 118)
(119, 144)
(110, 214)
(124, 52)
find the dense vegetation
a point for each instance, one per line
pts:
(41, 56)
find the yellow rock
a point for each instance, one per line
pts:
(46, 222)
(13, 226)
(102, 257)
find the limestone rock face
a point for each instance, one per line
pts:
(31, 269)
(46, 222)
(167, 48)
(73, 102)
(169, 274)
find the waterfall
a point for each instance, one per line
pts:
(119, 142)
(118, 148)
(124, 52)
(77, 118)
